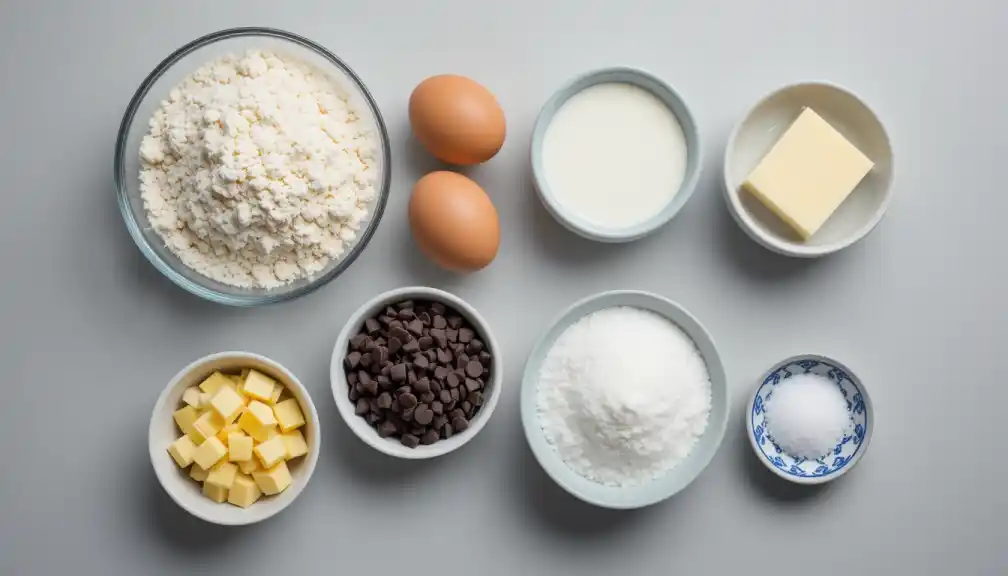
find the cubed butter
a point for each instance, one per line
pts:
(273, 481)
(272, 451)
(259, 386)
(228, 431)
(249, 466)
(204, 399)
(239, 447)
(257, 420)
(277, 391)
(184, 418)
(191, 397)
(214, 492)
(209, 453)
(288, 415)
(295, 442)
(206, 426)
(198, 474)
(182, 451)
(236, 379)
(244, 492)
(808, 173)
(214, 382)
(223, 474)
(227, 403)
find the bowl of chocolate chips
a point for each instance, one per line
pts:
(416, 372)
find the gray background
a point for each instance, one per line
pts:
(92, 332)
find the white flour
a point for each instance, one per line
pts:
(623, 396)
(257, 171)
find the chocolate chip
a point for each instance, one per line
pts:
(428, 397)
(435, 387)
(439, 322)
(371, 387)
(421, 362)
(354, 394)
(410, 441)
(379, 356)
(484, 358)
(440, 372)
(437, 407)
(407, 413)
(444, 356)
(416, 327)
(384, 381)
(439, 337)
(395, 407)
(385, 400)
(438, 308)
(386, 369)
(423, 414)
(405, 304)
(447, 431)
(407, 400)
(411, 377)
(468, 408)
(363, 407)
(430, 436)
(454, 394)
(472, 384)
(422, 385)
(352, 360)
(461, 362)
(476, 398)
(372, 326)
(460, 424)
(390, 311)
(386, 429)
(406, 314)
(455, 321)
(449, 406)
(351, 378)
(411, 346)
(439, 420)
(451, 334)
(357, 342)
(474, 369)
(364, 379)
(425, 342)
(365, 359)
(394, 344)
(399, 333)
(398, 372)
(452, 380)
(446, 396)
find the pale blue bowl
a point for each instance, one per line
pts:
(672, 481)
(694, 151)
(845, 455)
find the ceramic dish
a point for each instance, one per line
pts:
(185, 491)
(765, 124)
(671, 482)
(672, 99)
(156, 86)
(341, 390)
(845, 455)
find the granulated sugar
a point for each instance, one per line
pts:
(623, 396)
(807, 415)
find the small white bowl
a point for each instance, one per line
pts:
(763, 126)
(341, 389)
(845, 455)
(185, 491)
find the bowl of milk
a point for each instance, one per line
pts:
(615, 154)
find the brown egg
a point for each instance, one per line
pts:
(453, 222)
(457, 119)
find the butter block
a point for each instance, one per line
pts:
(216, 493)
(227, 403)
(209, 453)
(198, 474)
(184, 418)
(239, 447)
(274, 480)
(223, 474)
(271, 451)
(206, 426)
(808, 173)
(182, 451)
(249, 466)
(295, 443)
(288, 415)
(259, 386)
(257, 420)
(244, 492)
(191, 396)
(214, 382)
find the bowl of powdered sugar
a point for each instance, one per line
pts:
(252, 166)
(624, 400)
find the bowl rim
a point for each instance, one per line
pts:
(529, 381)
(792, 249)
(364, 431)
(132, 225)
(869, 427)
(308, 467)
(687, 121)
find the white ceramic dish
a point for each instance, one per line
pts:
(672, 99)
(185, 491)
(763, 126)
(845, 455)
(341, 390)
(671, 482)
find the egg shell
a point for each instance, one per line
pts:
(457, 119)
(454, 222)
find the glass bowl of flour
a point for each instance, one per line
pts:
(252, 166)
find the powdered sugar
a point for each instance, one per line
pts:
(257, 171)
(623, 396)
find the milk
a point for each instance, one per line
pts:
(614, 154)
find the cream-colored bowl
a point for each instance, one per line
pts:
(185, 491)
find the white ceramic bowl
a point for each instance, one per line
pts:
(187, 492)
(674, 480)
(845, 455)
(763, 126)
(341, 390)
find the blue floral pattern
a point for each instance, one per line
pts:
(844, 452)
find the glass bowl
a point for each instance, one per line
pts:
(147, 98)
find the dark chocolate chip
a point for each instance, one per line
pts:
(460, 374)
(352, 360)
(452, 380)
(440, 338)
(416, 327)
(423, 414)
(484, 358)
(365, 359)
(429, 437)
(406, 314)
(371, 387)
(398, 372)
(437, 308)
(428, 397)
(437, 407)
(474, 369)
(403, 390)
(386, 369)
(405, 304)
(459, 424)
(439, 322)
(351, 378)
(363, 407)
(466, 335)
(447, 431)
(468, 408)
(354, 394)
(357, 342)
(407, 414)
(461, 361)
(452, 335)
(425, 318)
(411, 346)
(425, 342)
(422, 385)
(386, 429)
(446, 396)
(363, 379)
(472, 385)
(475, 345)
(440, 372)
(372, 326)
(449, 406)
(435, 387)
(407, 400)
(439, 420)
(421, 362)
(431, 356)
(476, 398)
(395, 407)
(390, 311)
(444, 356)
(384, 381)
(373, 406)
(455, 394)
(417, 429)
(409, 441)
(380, 356)
(394, 344)
(399, 333)
(385, 400)
(455, 321)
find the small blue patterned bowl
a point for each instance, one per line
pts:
(845, 455)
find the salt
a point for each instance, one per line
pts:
(623, 396)
(807, 415)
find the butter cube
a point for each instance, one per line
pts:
(228, 431)
(273, 481)
(184, 418)
(808, 173)
(236, 379)
(206, 426)
(249, 466)
(216, 493)
(182, 451)
(209, 453)
(257, 421)
(288, 415)
(244, 492)
(227, 403)
(271, 451)
(277, 391)
(259, 386)
(239, 447)
(191, 397)
(198, 474)
(223, 474)
(204, 399)
(214, 383)
(296, 445)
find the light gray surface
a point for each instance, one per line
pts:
(92, 333)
